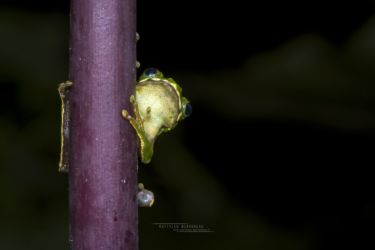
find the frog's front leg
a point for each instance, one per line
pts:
(146, 147)
(65, 124)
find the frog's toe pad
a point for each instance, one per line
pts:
(125, 114)
(132, 99)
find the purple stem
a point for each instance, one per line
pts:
(103, 153)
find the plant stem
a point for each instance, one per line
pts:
(103, 154)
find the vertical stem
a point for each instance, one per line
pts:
(103, 156)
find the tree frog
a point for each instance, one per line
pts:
(158, 106)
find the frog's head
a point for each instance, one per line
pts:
(184, 104)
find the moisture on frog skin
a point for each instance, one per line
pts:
(158, 106)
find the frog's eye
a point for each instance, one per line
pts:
(152, 73)
(188, 109)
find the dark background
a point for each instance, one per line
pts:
(277, 154)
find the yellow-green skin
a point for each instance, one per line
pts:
(158, 106)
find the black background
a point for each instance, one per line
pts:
(281, 148)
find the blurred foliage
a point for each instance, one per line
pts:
(307, 80)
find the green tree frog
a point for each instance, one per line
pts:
(158, 106)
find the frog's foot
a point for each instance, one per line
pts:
(136, 121)
(146, 147)
(145, 198)
(63, 87)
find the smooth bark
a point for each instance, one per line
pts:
(103, 156)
